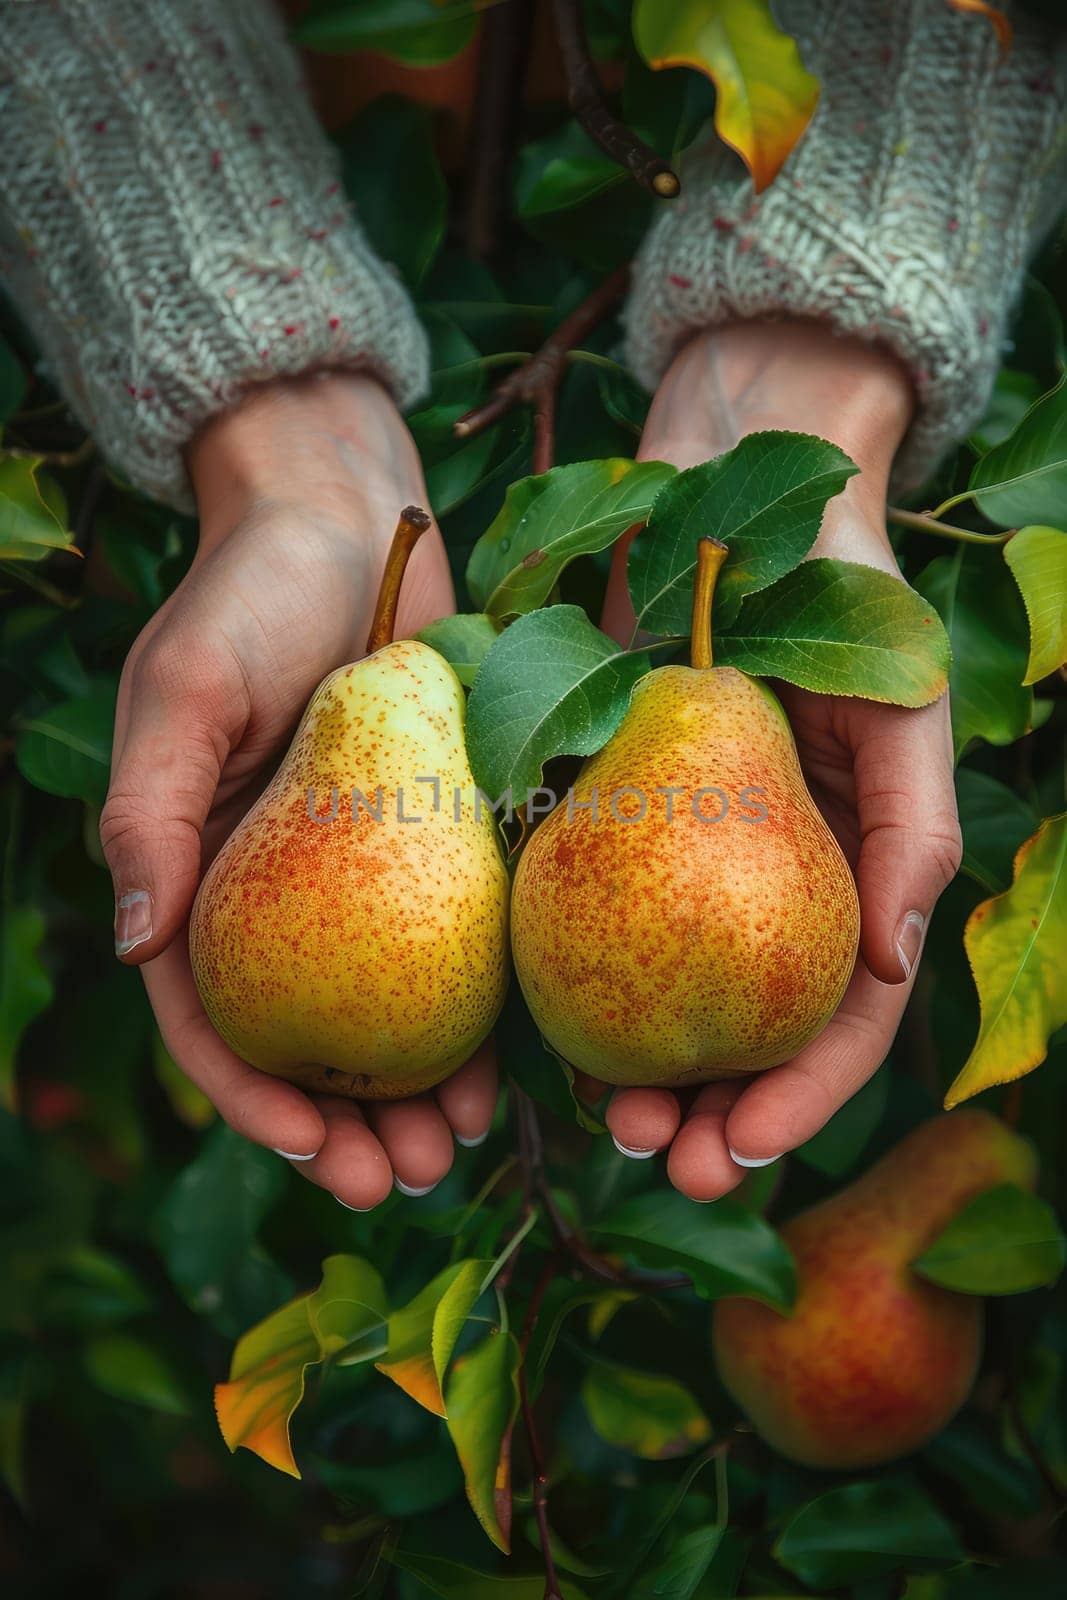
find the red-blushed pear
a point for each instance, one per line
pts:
(873, 1360)
(687, 914)
(351, 934)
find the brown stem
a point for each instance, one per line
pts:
(538, 1464)
(711, 554)
(537, 381)
(586, 98)
(409, 530)
(594, 1265)
(502, 62)
(54, 458)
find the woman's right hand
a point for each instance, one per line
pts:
(299, 488)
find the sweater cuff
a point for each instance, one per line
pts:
(904, 216)
(175, 230)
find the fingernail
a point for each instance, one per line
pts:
(472, 1144)
(750, 1161)
(341, 1202)
(632, 1155)
(910, 940)
(413, 1194)
(133, 921)
(290, 1155)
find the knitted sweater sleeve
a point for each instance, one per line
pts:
(172, 224)
(905, 215)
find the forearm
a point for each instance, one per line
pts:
(173, 225)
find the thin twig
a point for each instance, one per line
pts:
(537, 381)
(586, 98)
(54, 458)
(924, 523)
(502, 63)
(538, 1464)
(594, 1265)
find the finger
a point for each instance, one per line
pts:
(786, 1106)
(468, 1098)
(910, 837)
(642, 1121)
(171, 739)
(264, 1109)
(417, 1140)
(351, 1162)
(700, 1164)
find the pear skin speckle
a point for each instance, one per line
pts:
(356, 956)
(670, 952)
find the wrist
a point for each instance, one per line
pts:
(743, 377)
(331, 441)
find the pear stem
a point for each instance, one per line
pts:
(412, 525)
(710, 556)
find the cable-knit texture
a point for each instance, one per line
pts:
(905, 214)
(172, 223)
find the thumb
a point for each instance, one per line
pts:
(910, 839)
(164, 777)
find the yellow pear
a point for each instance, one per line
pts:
(686, 914)
(351, 934)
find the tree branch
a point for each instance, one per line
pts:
(505, 52)
(586, 99)
(538, 1464)
(537, 381)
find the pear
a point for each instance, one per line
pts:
(686, 914)
(351, 934)
(873, 1360)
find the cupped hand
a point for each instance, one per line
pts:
(881, 775)
(299, 489)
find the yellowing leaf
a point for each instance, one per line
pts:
(267, 1384)
(651, 1416)
(423, 1334)
(32, 512)
(1001, 25)
(270, 1363)
(483, 1397)
(1038, 558)
(1015, 944)
(765, 96)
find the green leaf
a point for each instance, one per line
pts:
(546, 521)
(452, 1581)
(1024, 479)
(1015, 946)
(836, 1148)
(765, 498)
(863, 1530)
(463, 640)
(971, 1451)
(994, 821)
(551, 685)
(986, 626)
(679, 1575)
(841, 628)
(87, 1290)
(422, 33)
(32, 513)
(423, 1334)
(1013, 395)
(650, 1416)
(388, 151)
(25, 986)
(723, 1248)
(131, 1369)
(1038, 558)
(347, 1313)
(207, 1228)
(1005, 1242)
(482, 1401)
(66, 748)
(563, 170)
